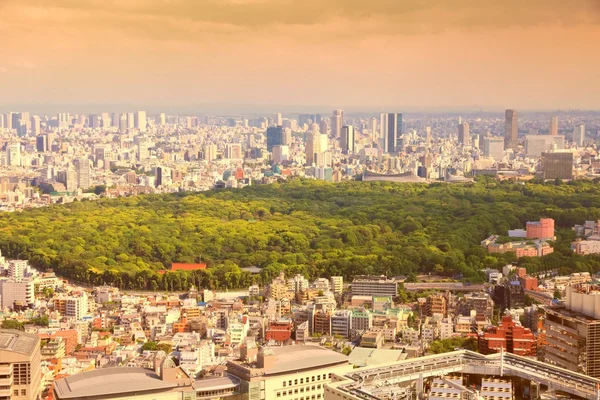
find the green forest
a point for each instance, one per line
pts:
(309, 227)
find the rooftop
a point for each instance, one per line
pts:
(108, 381)
(18, 342)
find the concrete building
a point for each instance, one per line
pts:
(361, 321)
(347, 139)
(341, 323)
(464, 137)
(274, 137)
(374, 286)
(436, 304)
(542, 229)
(84, 170)
(573, 331)
(288, 372)
(535, 145)
(557, 165)
(337, 121)
(511, 129)
(16, 293)
(20, 376)
(553, 126)
(140, 121)
(584, 247)
(493, 147)
(510, 337)
(337, 284)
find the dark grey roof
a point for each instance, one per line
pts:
(109, 381)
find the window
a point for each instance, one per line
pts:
(324, 376)
(301, 390)
(23, 392)
(290, 382)
(16, 391)
(329, 376)
(301, 380)
(278, 394)
(296, 391)
(295, 381)
(318, 377)
(313, 379)
(284, 383)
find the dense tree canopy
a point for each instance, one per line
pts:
(309, 227)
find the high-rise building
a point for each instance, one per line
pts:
(313, 141)
(535, 145)
(41, 143)
(36, 128)
(210, 152)
(94, 121)
(493, 147)
(115, 120)
(2, 119)
(337, 284)
(13, 154)
(391, 133)
(140, 121)
(347, 139)
(579, 135)
(323, 126)
(161, 119)
(573, 331)
(337, 121)
(554, 126)
(511, 129)
(20, 361)
(130, 120)
(274, 137)
(428, 136)
(510, 337)
(123, 122)
(557, 165)
(233, 151)
(160, 171)
(464, 137)
(278, 119)
(105, 120)
(83, 168)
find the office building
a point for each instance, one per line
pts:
(573, 331)
(94, 121)
(20, 359)
(493, 147)
(374, 286)
(13, 154)
(41, 143)
(323, 126)
(436, 304)
(579, 135)
(281, 154)
(84, 169)
(313, 145)
(553, 126)
(391, 133)
(160, 172)
(557, 165)
(36, 128)
(209, 152)
(510, 337)
(347, 139)
(511, 129)
(233, 151)
(535, 145)
(140, 121)
(464, 137)
(341, 323)
(274, 137)
(337, 121)
(287, 371)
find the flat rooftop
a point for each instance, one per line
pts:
(18, 342)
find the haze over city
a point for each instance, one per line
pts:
(258, 54)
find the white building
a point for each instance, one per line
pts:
(16, 291)
(337, 284)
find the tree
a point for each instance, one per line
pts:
(12, 324)
(557, 294)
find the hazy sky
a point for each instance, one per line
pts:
(409, 54)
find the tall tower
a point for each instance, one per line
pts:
(83, 168)
(140, 120)
(392, 130)
(464, 137)
(313, 144)
(347, 139)
(274, 137)
(554, 126)
(428, 136)
(337, 120)
(35, 126)
(511, 129)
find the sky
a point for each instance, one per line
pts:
(352, 54)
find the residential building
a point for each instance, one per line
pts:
(337, 284)
(341, 323)
(16, 293)
(436, 303)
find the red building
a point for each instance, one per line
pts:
(509, 336)
(280, 330)
(529, 282)
(542, 229)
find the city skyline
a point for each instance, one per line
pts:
(380, 55)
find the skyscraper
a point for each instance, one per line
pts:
(337, 120)
(35, 126)
(209, 152)
(161, 119)
(347, 139)
(579, 135)
(554, 126)
(278, 119)
(493, 147)
(464, 137)
(391, 133)
(511, 129)
(140, 121)
(13, 154)
(428, 135)
(41, 143)
(313, 144)
(94, 121)
(82, 166)
(159, 176)
(557, 165)
(274, 137)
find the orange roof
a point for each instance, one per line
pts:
(187, 267)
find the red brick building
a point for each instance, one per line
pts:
(280, 330)
(509, 336)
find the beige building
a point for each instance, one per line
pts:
(296, 372)
(20, 376)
